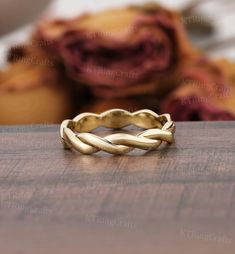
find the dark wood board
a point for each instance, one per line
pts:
(179, 199)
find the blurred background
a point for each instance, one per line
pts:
(209, 25)
(16, 20)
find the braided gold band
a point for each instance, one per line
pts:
(75, 133)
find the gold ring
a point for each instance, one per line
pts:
(75, 133)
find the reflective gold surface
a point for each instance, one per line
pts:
(75, 134)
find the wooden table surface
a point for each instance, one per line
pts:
(179, 199)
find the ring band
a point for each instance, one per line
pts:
(75, 133)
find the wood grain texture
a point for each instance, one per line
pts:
(178, 199)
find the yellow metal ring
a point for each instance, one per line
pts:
(75, 133)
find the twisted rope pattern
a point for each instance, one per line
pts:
(75, 133)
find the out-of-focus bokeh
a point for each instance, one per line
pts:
(177, 58)
(219, 12)
(14, 14)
